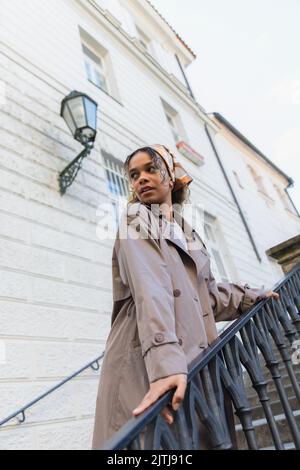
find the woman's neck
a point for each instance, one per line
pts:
(168, 212)
(166, 209)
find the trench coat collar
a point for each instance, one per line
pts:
(196, 248)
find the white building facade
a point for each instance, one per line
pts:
(262, 192)
(55, 289)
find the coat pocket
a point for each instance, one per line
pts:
(133, 386)
(136, 342)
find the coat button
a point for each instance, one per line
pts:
(180, 341)
(138, 228)
(159, 337)
(176, 292)
(196, 299)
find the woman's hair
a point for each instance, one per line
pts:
(181, 196)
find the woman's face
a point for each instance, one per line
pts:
(144, 171)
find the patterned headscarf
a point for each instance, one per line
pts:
(176, 171)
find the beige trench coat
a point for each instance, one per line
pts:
(166, 302)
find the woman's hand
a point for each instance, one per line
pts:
(273, 294)
(159, 388)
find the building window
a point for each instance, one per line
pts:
(143, 39)
(209, 230)
(258, 181)
(116, 183)
(261, 187)
(214, 246)
(238, 179)
(284, 199)
(174, 122)
(98, 65)
(95, 68)
(173, 127)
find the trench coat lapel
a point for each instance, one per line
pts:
(196, 248)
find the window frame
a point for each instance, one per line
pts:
(215, 246)
(97, 68)
(237, 178)
(258, 179)
(284, 199)
(113, 174)
(173, 127)
(143, 39)
(119, 198)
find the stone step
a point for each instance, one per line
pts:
(284, 377)
(272, 394)
(282, 370)
(267, 373)
(282, 367)
(263, 434)
(271, 389)
(276, 406)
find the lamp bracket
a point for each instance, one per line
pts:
(68, 174)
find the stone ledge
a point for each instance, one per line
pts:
(287, 253)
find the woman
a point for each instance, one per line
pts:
(166, 300)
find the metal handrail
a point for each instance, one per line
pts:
(218, 364)
(21, 411)
(128, 435)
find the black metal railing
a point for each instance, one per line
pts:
(254, 353)
(20, 413)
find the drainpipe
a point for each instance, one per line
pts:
(185, 77)
(233, 194)
(290, 185)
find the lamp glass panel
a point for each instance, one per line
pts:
(77, 109)
(68, 118)
(91, 113)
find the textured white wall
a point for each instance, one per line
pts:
(270, 222)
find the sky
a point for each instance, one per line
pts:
(248, 69)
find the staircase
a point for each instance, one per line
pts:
(243, 391)
(262, 430)
(251, 358)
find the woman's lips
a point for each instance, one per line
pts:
(147, 190)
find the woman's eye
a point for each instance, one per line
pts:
(151, 168)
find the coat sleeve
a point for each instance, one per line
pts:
(230, 300)
(143, 269)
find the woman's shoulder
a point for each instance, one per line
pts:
(134, 210)
(138, 219)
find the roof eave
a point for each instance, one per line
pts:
(246, 141)
(152, 11)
